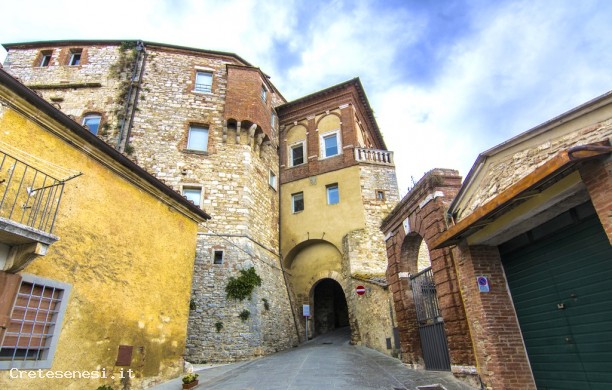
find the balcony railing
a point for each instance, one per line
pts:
(29, 196)
(374, 156)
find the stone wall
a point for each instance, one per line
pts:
(265, 331)
(509, 168)
(233, 174)
(75, 90)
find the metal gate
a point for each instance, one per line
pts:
(431, 324)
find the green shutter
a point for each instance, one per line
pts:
(561, 286)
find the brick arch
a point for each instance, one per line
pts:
(326, 115)
(420, 217)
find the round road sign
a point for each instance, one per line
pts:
(360, 290)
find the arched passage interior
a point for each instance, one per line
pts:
(330, 308)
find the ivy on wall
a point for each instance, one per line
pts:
(241, 287)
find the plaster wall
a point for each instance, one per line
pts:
(129, 259)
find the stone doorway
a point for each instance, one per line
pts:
(330, 308)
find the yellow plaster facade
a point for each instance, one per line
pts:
(125, 248)
(319, 220)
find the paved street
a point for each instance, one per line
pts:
(326, 362)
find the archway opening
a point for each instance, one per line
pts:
(330, 308)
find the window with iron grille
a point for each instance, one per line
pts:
(31, 337)
(203, 81)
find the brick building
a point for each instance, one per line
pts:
(520, 256)
(207, 124)
(337, 183)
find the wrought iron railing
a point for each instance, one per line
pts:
(375, 156)
(203, 88)
(29, 196)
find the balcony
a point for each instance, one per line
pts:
(29, 201)
(374, 156)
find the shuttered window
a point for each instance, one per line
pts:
(31, 337)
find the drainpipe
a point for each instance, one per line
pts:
(141, 53)
(131, 98)
(280, 233)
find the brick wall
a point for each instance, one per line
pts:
(424, 207)
(597, 176)
(244, 102)
(498, 344)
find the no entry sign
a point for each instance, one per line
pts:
(360, 290)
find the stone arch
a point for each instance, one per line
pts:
(330, 307)
(297, 248)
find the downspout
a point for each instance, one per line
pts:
(131, 98)
(141, 52)
(280, 233)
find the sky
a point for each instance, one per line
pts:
(446, 79)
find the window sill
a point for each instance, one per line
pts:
(193, 151)
(202, 92)
(295, 166)
(326, 157)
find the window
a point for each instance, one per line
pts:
(218, 257)
(297, 201)
(272, 180)
(92, 121)
(193, 194)
(75, 57)
(333, 196)
(203, 81)
(297, 154)
(273, 119)
(36, 320)
(330, 145)
(380, 194)
(45, 59)
(264, 94)
(198, 138)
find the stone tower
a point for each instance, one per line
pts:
(204, 122)
(337, 183)
(207, 123)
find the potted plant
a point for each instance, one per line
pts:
(190, 380)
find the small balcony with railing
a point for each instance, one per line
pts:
(29, 203)
(374, 156)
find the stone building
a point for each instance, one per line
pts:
(337, 183)
(521, 257)
(96, 257)
(207, 124)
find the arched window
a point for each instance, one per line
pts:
(92, 121)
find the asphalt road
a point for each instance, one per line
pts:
(326, 362)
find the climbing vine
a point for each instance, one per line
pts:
(242, 286)
(122, 70)
(244, 315)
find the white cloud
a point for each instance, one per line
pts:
(524, 64)
(513, 65)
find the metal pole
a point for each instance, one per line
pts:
(306, 328)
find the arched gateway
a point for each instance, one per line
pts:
(330, 307)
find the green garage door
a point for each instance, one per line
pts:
(560, 278)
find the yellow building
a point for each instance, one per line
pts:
(337, 183)
(96, 257)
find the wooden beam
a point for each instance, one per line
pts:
(562, 160)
